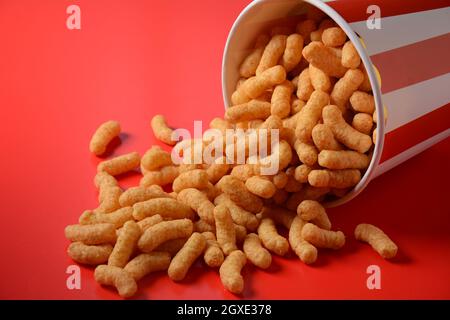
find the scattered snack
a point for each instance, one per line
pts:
(379, 241)
(255, 252)
(230, 271)
(114, 276)
(165, 207)
(161, 130)
(103, 136)
(125, 244)
(304, 120)
(260, 186)
(100, 233)
(323, 238)
(120, 164)
(225, 232)
(89, 254)
(191, 179)
(117, 218)
(146, 263)
(213, 255)
(139, 194)
(183, 260)
(269, 236)
(302, 248)
(164, 231)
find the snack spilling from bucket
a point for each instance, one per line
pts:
(306, 82)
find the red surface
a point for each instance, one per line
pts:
(133, 59)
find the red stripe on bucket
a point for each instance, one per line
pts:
(415, 132)
(413, 63)
(355, 10)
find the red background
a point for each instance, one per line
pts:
(131, 60)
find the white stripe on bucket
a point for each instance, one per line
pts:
(409, 153)
(409, 103)
(399, 31)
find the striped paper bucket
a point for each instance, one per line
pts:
(410, 50)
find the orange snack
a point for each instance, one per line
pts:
(161, 130)
(323, 238)
(103, 136)
(379, 241)
(120, 164)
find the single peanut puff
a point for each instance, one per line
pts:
(161, 130)
(272, 53)
(333, 37)
(281, 99)
(310, 115)
(319, 79)
(350, 57)
(363, 122)
(362, 102)
(345, 87)
(213, 254)
(255, 252)
(379, 241)
(225, 232)
(164, 231)
(191, 179)
(117, 277)
(323, 238)
(184, 259)
(254, 109)
(293, 52)
(302, 248)
(270, 237)
(343, 159)
(125, 245)
(103, 136)
(139, 194)
(146, 263)
(120, 164)
(165, 207)
(91, 234)
(343, 132)
(304, 85)
(261, 187)
(334, 178)
(91, 255)
(117, 218)
(230, 272)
